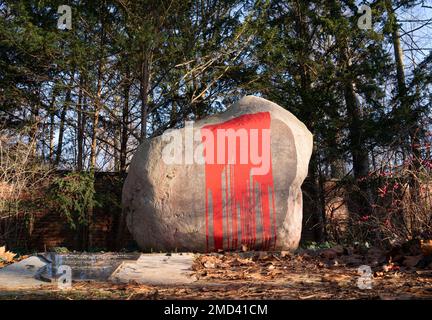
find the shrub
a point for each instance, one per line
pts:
(73, 195)
(23, 180)
(401, 206)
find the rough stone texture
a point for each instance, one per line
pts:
(22, 274)
(85, 266)
(166, 204)
(156, 269)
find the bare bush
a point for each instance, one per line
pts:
(22, 177)
(401, 205)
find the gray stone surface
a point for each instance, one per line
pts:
(86, 266)
(156, 269)
(22, 274)
(166, 203)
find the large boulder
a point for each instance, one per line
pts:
(225, 182)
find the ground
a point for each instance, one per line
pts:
(308, 274)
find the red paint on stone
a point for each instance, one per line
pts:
(226, 180)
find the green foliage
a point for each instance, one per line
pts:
(60, 250)
(312, 245)
(108, 192)
(73, 196)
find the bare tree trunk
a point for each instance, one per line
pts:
(95, 122)
(397, 48)
(144, 88)
(413, 125)
(337, 163)
(124, 129)
(52, 125)
(414, 129)
(359, 197)
(95, 125)
(121, 222)
(93, 150)
(306, 90)
(66, 105)
(80, 127)
(80, 234)
(358, 151)
(81, 239)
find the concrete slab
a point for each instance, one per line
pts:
(157, 269)
(21, 275)
(87, 266)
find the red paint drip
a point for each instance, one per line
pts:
(232, 191)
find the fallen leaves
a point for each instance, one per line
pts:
(426, 247)
(285, 254)
(307, 274)
(390, 267)
(267, 275)
(412, 261)
(6, 256)
(329, 254)
(263, 266)
(339, 279)
(328, 273)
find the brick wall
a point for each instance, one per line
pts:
(48, 229)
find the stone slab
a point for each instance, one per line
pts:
(87, 266)
(157, 269)
(22, 274)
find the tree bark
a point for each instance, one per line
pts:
(80, 126)
(414, 129)
(95, 125)
(144, 88)
(308, 102)
(359, 152)
(66, 105)
(52, 125)
(124, 128)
